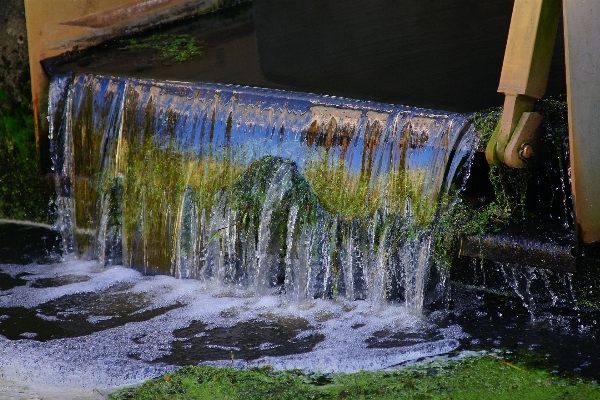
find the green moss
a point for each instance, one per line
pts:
(485, 123)
(155, 175)
(510, 184)
(356, 195)
(248, 193)
(180, 47)
(24, 194)
(467, 378)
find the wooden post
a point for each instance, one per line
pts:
(582, 43)
(524, 74)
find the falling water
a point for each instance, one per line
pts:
(271, 191)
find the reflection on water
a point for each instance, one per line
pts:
(280, 192)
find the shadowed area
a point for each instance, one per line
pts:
(25, 244)
(247, 340)
(77, 314)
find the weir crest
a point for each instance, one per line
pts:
(268, 191)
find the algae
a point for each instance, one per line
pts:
(358, 195)
(175, 47)
(24, 194)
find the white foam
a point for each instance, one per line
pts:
(101, 360)
(101, 279)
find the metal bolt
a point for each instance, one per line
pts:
(526, 151)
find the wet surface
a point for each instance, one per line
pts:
(532, 315)
(77, 314)
(386, 339)
(25, 244)
(249, 340)
(8, 281)
(111, 326)
(444, 55)
(58, 281)
(544, 246)
(559, 339)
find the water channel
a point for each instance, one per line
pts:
(228, 225)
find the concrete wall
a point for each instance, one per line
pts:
(14, 72)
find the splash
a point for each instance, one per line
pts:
(276, 192)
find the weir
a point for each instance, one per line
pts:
(242, 226)
(271, 191)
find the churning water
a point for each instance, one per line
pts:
(276, 192)
(206, 223)
(80, 323)
(83, 324)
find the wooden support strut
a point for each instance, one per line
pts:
(523, 80)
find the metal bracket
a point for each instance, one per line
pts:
(523, 80)
(519, 149)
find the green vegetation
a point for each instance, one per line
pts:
(24, 194)
(510, 184)
(179, 48)
(483, 377)
(156, 176)
(249, 192)
(356, 195)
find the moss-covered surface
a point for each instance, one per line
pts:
(486, 377)
(24, 194)
(359, 195)
(156, 175)
(181, 47)
(512, 186)
(248, 193)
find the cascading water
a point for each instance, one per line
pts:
(270, 191)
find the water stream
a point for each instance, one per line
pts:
(277, 192)
(228, 225)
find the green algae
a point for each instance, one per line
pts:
(467, 378)
(358, 195)
(180, 47)
(24, 194)
(248, 193)
(155, 176)
(511, 185)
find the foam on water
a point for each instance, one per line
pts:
(129, 353)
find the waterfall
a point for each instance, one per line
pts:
(275, 192)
